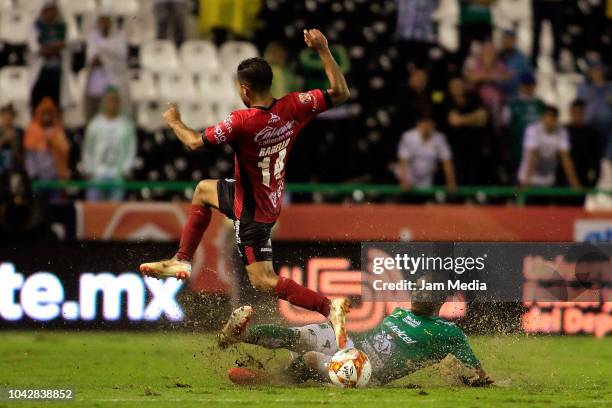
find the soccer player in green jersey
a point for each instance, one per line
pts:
(405, 341)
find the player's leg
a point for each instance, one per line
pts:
(204, 197)
(263, 278)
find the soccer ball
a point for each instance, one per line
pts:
(350, 368)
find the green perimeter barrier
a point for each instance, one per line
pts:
(520, 194)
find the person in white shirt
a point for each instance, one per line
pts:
(109, 148)
(544, 142)
(419, 152)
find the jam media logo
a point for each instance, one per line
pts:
(593, 230)
(40, 297)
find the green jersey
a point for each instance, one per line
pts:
(404, 342)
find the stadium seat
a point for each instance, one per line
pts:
(15, 26)
(545, 88)
(32, 7)
(196, 115)
(223, 109)
(15, 84)
(149, 116)
(217, 87)
(74, 115)
(5, 5)
(22, 110)
(177, 86)
(448, 37)
(78, 26)
(142, 86)
(80, 7)
(198, 56)
(140, 28)
(447, 12)
(121, 7)
(159, 56)
(233, 52)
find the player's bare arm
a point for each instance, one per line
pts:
(187, 136)
(338, 91)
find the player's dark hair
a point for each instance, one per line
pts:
(255, 73)
(549, 109)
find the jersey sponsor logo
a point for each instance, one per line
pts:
(267, 151)
(411, 321)
(305, 97)
(220, 135)
(271, 134)
(401, 334)
(273, 118)
(383, 343)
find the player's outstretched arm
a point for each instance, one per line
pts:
(187, 136)
(338, 91)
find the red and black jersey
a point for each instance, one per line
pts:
(262, 139)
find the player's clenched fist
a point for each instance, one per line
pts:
(171, 114)
(315, 39)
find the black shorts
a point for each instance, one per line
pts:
(252, 238)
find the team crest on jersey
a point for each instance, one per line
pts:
(383, 343)
(305, 97)
(273, 118)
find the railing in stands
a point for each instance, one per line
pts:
(519, 194)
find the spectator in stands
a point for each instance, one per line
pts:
(475, 24)
(419, 151)
(46, 145)
(515, 61)
(107, 53)
(285, 79)
(467, 123)
(551, 10)
(171, 18)
(544, 141)
(49, 58)
(109, 148)
(311, 68)
(415, 30)
(523, 110)
(597, 93)
(413, 98)
(584, 139)
(11, 140)
(486, 72)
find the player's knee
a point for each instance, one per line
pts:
(204, 192)
(262, 280)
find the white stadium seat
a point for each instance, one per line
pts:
(14, 84)
(22, 110)
(159, 56)
(224, 108)
(121, 7)
(233, 52)
(217, 87)
(448, 37)
(198, 56)
(30, 6)
(447, 12)
(197, 115)
(149, 116)
(78, 26)
(140, 28)
(5, 5)
(142, 86)
(15, 26)
(177, 86)
(80, 7)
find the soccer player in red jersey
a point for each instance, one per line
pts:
(262, 136)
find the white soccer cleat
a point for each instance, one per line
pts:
(234, 330)
(169, 268)
(337, 316)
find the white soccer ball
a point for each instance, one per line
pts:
(350, 368)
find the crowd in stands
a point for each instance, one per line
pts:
(454, 92)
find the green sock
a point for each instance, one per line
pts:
(272, 336)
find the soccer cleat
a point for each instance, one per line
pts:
(234, 330)
(169, 268)
(337, 316)
(245, 376)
